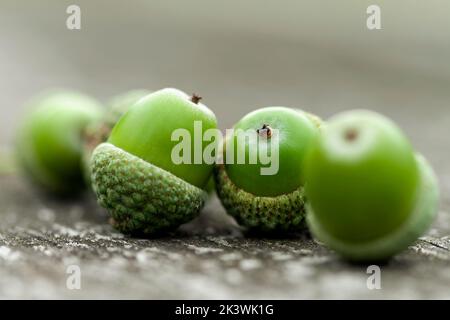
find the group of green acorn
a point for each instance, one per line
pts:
(354, 180)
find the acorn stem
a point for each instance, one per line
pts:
(351, 135)
(195, 98)
(265, 131)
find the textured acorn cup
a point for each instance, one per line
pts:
(49, 144)
(268, 203)
(99, 131)
(370, 196)
(133, 174)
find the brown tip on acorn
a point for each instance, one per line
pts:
(265, 131)
(351, 135)
(195, 98)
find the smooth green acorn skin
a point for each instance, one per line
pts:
(362, 177)
(99, 131)
(296, 134)
(142, 199)
(382, 248)
(146, 129)
(49, 143)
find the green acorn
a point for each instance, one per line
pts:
(275, 202)
(49, 143)
(370, 196)
(134, 175)
(99, 131)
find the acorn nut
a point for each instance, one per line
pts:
(134, 175)
(49, 143)
(260, 200)
(370, 196)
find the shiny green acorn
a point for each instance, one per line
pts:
(269, 202)
(370, 196)
(49, 142)
(133, 173)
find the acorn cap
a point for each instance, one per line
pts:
(142, 198)
(283, 213)
(414, 226)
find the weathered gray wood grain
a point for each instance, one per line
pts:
(209, 258)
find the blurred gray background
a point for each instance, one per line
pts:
(239, 55)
